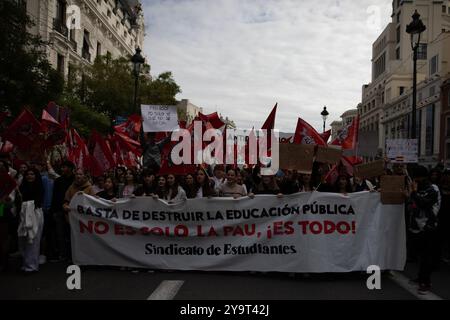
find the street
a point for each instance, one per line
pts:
(107, 283)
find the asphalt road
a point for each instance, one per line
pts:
(106, 283)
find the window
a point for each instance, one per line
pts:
(99, 49)
(86, 46)
(380, 65)
(397, 54)
(444, 9)
(61, 11)
(422, 51)
(108, 13)
(429, 133)
(60, 64)
(434, 68)
(448, 151)
(398, 34)
(402, 90)
(398, 16)
(448, 127)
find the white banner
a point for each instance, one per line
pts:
(159, 118)
(306, 232)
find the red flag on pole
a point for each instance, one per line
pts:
(101, 156)
(326, 136)
(347, 138)
(131, 128)
(270, 122)
(213, 118)
(306, 134)
(24, 131)
(78, 150)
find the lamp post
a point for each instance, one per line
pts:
(324, 115)
(138, 60)
(415, 29)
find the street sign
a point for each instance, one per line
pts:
(402, 150)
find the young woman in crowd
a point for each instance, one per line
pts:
(289, 183)
(175, 192)
(268, 185)
(230, 188)
(161, 188)
(31, 189)
(120, 174)
(306, 183)
(204, 187)
(98, 184)
(240, 180)
(127, 189)
(189, 186)
(109, 191)
(148, 187)
(343, 185)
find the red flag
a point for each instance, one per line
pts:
(101, 156)
(78, 151)
(131, 128)
(213, 118)
(348, 137)
(128, 143)
(60, 114)
(6, 147)
(54, 132)
(24, 131)
(270, 122)
(306, 134)
(326, 136)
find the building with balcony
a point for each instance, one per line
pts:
(80, 30)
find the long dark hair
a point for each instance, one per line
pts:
(191, 190)
(348, 188)
(32, 191)
(173, 190)
(207, 189)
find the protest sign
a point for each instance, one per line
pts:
(402, 150)
(159, 118)
(370, 170)
(298, 157)
(305, 232)
(328, 154)
(392, 189)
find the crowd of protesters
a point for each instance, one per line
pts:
(427, 198)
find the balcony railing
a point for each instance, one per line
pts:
(59, 27)
(73, 44)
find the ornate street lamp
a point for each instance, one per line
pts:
(324, 115)
(415, 29)
(138, 61)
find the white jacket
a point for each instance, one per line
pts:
(31, 219)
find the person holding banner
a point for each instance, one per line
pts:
(343, 185)
(175, 192)
(230, 188)
(189, 186)
(148, 187)
(127, 189)
(267, 186)
(289, 183)
(306, 183)
(80, 184)
(109, 192)
(204, 186)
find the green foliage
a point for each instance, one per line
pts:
(26, 76)
(162, 90)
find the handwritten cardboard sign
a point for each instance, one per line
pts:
(159, 118)
(370, 170)
(392, 189)
(328, 155)
(298, 157)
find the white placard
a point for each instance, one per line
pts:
(402, 150)
(156, 118)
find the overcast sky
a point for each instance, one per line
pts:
(240, 57)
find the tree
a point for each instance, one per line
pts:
(162, 90)
(26, 76)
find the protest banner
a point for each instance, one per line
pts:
(157, 118)
(392, 189)
(370, 170)
(306, 232)
(402, 150)
(328, 155)
(298, 157)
